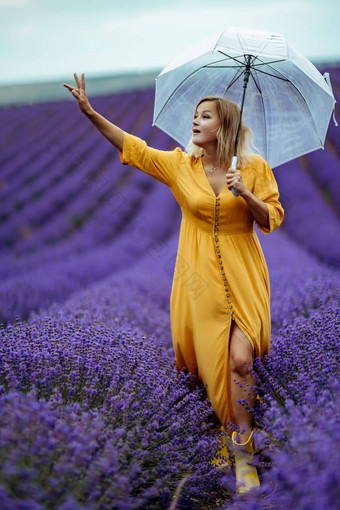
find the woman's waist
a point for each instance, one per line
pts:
(219, 227)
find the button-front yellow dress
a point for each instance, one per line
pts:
(220, 274)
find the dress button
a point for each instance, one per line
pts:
(219, 256)
(217, 198)
(218, 251)
(224, 278)
(230, 307)
(220, 261)
(225, 283)
(215, 234)
(228, 295)
(229, 301)
(221, 268)
(226, 289)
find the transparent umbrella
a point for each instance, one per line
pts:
(287, 102)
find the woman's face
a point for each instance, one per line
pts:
(205, 124)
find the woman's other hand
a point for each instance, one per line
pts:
(79, 93)
(234, 180)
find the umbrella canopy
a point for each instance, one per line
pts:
(288, 103)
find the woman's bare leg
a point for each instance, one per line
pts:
(240, 360)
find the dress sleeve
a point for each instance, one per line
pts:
(162, 165)
(266, 189)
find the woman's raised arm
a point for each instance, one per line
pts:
(113, 133)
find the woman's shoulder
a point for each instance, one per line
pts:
(257, 160)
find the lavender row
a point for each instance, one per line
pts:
(309, 219)
(325, 169)
(37, 132)
(117, 208)
(40, 126)
(48, 161)
(57, 158)
(55, 281)
(101, 228)
(58, 195)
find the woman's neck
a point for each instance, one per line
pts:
(210, 157)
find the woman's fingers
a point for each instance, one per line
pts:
(234, 179)
(77, 80)
(79, 93)
(231, 174)
(69, 87)
(72, 89)
(80, 85)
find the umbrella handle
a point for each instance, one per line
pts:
(233, 166)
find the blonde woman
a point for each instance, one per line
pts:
(220, 299)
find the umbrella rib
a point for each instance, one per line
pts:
(268, 63)
(264, 112)
(233, 58)
(238, 67)
(211, 64)
(236, 77)
(274, 69)
(269, 74)
(256, 83)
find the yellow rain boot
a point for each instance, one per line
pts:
(246, 475)
(221, 458)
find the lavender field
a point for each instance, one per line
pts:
(92, 415)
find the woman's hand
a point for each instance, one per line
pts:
(113, 133)
(234, 180)
(258, 208)
(80, 94)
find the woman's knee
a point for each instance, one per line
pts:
(241, 363)
(240, 353)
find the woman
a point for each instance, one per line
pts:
(220, 310)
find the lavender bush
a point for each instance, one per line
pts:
(95, 417)
(299, 419)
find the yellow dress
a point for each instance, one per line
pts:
(220, 274)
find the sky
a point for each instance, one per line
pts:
(47, 40)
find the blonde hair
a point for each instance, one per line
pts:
(229, 114)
